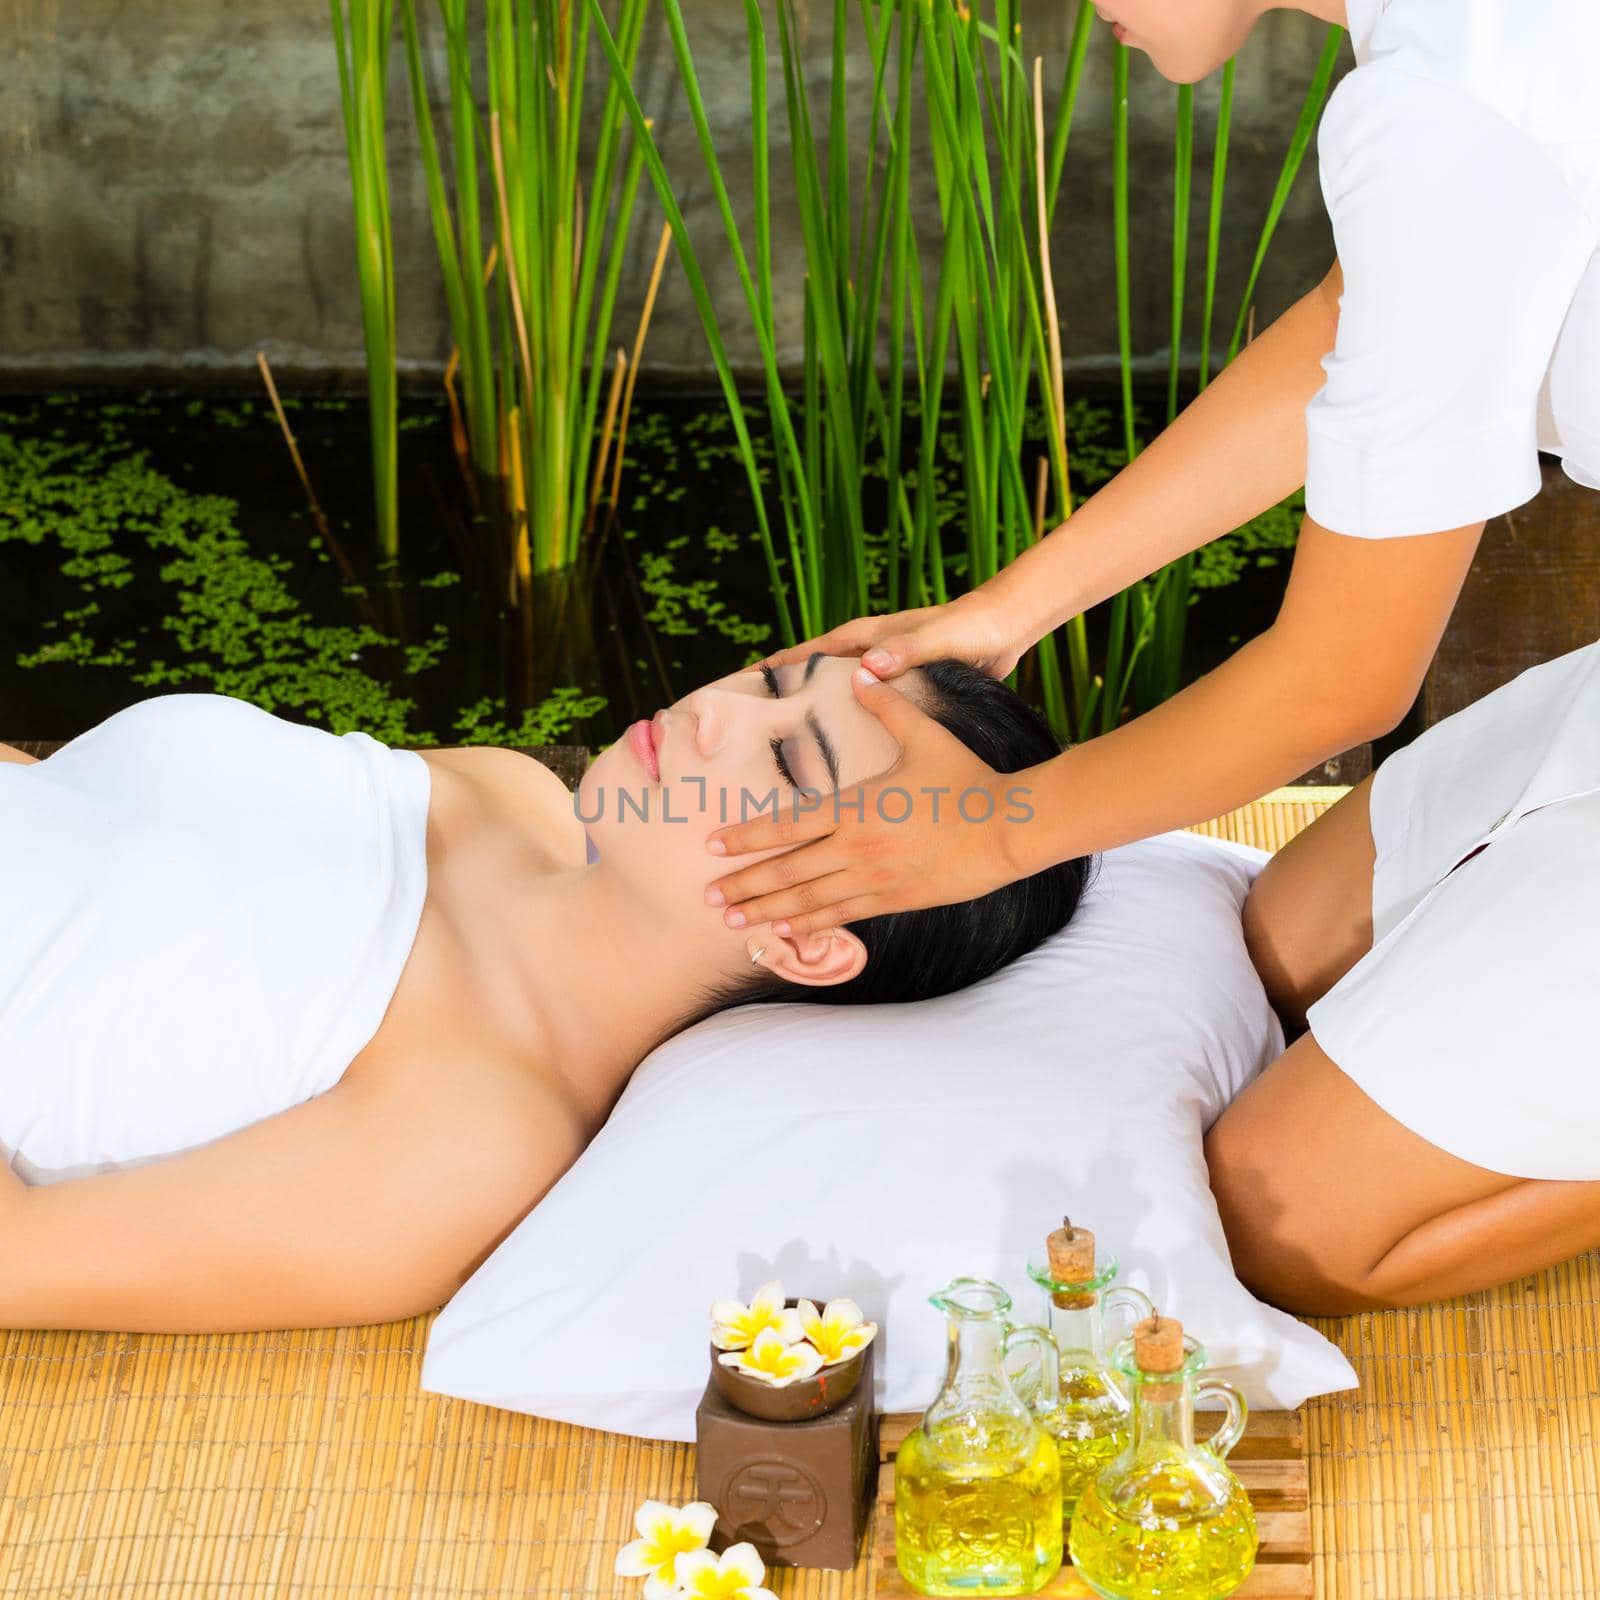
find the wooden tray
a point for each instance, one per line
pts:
(1271, 1463)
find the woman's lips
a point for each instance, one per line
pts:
(641, 740)
(1119, 32)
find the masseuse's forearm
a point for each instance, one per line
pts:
(1237, 449)
(1255, 722)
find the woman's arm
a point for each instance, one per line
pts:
(370, 1202)
(9, 752)
(1359, 623)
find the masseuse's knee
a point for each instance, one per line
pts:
(1287, 1247)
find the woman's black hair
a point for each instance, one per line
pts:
(915, 955)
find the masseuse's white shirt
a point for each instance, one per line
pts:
(1460, 165)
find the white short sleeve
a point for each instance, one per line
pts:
(1462, 248)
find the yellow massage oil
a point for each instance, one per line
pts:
(986, 1527)
(977, 1482)
(1091, 1417)
(1166, 1519)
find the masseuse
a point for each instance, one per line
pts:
(1410, 391)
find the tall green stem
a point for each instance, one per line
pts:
(362, 46)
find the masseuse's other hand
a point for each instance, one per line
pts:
(973, 628)
(898, 842)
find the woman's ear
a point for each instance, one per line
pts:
(822, 959)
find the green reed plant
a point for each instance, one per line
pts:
(843, 427)
(459, 232)
(1153, 667)
(361, 33)
(531, 252)
(1304, 130)
(997, 175)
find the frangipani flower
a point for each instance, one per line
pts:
(774, 1361)
(838, 1331)
(735, 1326)
(736, 1575)
(666, 1535)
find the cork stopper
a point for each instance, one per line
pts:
(1158, 1343)
(1158, 1348)
(1071, 1252)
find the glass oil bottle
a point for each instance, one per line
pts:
(1092, 1414)
(977, 1482)
(1166, 1519)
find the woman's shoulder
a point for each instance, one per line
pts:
(520, 792)
(505, 772)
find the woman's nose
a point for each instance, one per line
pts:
(716, 708)
(707, 727)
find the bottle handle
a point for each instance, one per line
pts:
(1228, 1435)
(1048, 1394)
(1138, 1306)
(1126, 1298)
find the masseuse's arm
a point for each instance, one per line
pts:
(1237, 449)
(1359, 623)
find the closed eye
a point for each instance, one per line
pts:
(776, 743)
(783, 766)
(830, 757)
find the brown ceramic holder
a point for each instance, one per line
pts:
(800, 1491)
(793, 1402)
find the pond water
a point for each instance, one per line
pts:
(157, 542)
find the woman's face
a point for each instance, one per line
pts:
(727, 752)
(1186, 40)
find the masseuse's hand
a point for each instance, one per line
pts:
(974, 627)
(887, 854)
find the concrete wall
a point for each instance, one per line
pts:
(174, 194)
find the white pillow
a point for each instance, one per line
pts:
(879, 1151)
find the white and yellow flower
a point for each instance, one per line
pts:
(667, 1535)
(736, 1327)
(736, 1575)
(773, 1360)
(838, 1331)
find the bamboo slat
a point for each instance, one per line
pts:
(311, 1464)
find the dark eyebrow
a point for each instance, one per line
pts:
(811, 666)
(824, 744)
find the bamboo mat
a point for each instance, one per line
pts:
(310, 1463)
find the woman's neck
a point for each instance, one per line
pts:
(607, 981)
(567, 969)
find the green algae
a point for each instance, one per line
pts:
(229, 619)
(224, 616)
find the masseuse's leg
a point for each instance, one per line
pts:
(1330, 1205)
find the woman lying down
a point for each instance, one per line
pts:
(295, 1028)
